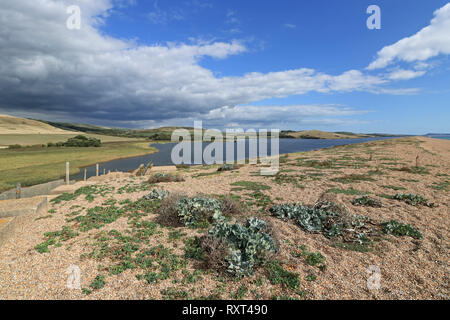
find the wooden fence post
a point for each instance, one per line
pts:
(96, 172)
(85, 174)
(67, 173)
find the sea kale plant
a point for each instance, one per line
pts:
(196, 211)
(352, 228)
(157, 194)
(399, 229)
(367, 202)
(249, 245)
(413, 199)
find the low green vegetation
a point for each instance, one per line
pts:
(197, 212)
(399, 229)
(250, 185)
(89, 192)
(39, 165)
(228, 167)
(98, 283)
(78, 141)
(413, 199)
(52, 238)
(165, 177)
(282, 179)
(353, 178)
(395, 188)
(413, 170)
(350, 191)
(277, 275)
(328, 219)
(247, 246)
(367, 202)
(444, 185)
(240, 292)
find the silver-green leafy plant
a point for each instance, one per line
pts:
(329, 223)
(197, 210)
(249, 245)
(157, 194)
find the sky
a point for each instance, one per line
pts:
(285, 64)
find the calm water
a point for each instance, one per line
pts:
(445, 137)
(163, 157)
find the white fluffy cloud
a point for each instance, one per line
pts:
(425, 44)
(402, 74)
(48, 69)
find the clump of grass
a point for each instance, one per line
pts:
(413, 170)
(193, 248)
(413, 199)
(64, 234)
(311, 258)
(277, 275)
(317, 164)
(98, 283)
(88, 191)
(240, 292)
(284, 178)
(352, 178)
(174, 294)
(314, 258)
(43, 247)
(393, 187)
(228, 167)
(250, 185)
(365, 247)
(311, 277)
(367, 202)
(445, 185)
(350, 191)
(260, 200)
(97, 217)
(399, 229)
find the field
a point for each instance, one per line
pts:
(387, 203)
(15, 125)
(34, 139)
(35, 165)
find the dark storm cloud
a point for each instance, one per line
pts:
(47, 69)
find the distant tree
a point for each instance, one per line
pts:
(83, 142)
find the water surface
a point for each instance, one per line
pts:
(163, 157)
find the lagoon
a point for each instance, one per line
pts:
(163, 156)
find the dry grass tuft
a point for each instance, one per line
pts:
(168, 211)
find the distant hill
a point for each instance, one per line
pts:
(16, 125)
(164, 133)
(317, 134)
(158, 134)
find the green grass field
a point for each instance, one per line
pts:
(31, 166)
(33, 139)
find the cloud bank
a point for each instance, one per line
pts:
(425, 44)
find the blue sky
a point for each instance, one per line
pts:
(235, 60)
